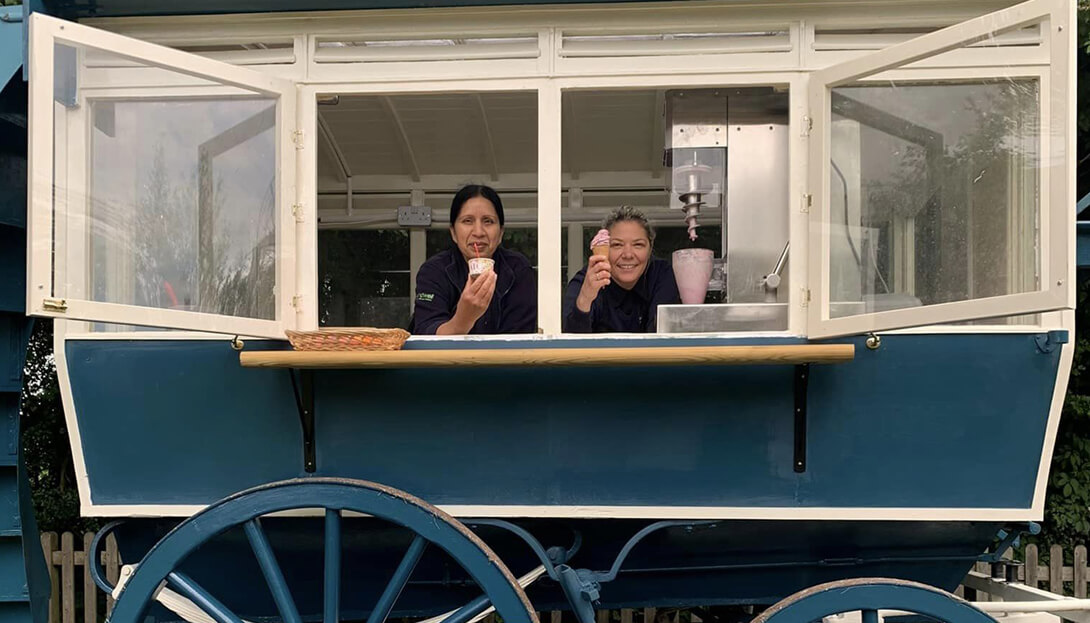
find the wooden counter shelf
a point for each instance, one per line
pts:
(791, 354)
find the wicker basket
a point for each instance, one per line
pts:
(348, 338)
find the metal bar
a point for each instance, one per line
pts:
(304, 402)
(470, 610)
(530, 540)
(489, 144)
(332, 591)
(398, 581)
(406, 144)
(802, 376)
(204, 600)
(274, 577)
(869, 616)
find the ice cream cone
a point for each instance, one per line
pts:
(602, 249)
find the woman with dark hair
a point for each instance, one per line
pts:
(499, 294)
(623, 284)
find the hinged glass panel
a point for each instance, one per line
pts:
(942, 196)
(157, 181)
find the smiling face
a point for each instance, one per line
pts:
(629, 252)
(477, 230)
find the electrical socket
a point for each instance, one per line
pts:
(414, 216)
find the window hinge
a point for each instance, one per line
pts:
(297, 138)
(805, 298)
(297, 301)
(55, 305)
(807, 203)
(807, 125)
(297, 212)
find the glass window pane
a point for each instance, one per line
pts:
(389, 145)
(709, 169)
(166, 188)
(935, 193)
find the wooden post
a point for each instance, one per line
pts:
(648, 615)
(1078, 574)
(1056, 569)
(49, 546)
(556, 616)
(626, 615)
(90, 591)
(112, 562)
(602, 616)
(68, 579)
(1031, 566)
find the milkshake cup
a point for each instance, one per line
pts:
(480, 265)
(692, 271)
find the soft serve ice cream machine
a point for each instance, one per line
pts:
(746, 195)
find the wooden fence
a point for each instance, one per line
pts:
(72, 600)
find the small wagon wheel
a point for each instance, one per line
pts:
(429, 525)
(868, 596)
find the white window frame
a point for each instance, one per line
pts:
(550, 72)
(1057, 192)
(47, 31)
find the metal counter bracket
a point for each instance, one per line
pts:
(802, 377)
(304, 401)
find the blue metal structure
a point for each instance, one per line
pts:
(24, 588)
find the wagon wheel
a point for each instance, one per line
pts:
(868, 596)
(428, 524)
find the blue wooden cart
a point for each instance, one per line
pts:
(863, 408)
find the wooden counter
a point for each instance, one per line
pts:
(555, 357)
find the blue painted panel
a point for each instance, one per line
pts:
(1083, 243)
(11, 42)
(14, 333)
(9, 504)
(12, 269)
(907, 425)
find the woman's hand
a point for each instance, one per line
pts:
(597, 277)
(475, 299)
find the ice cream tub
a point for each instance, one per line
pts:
(480, 265)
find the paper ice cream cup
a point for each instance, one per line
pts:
(480, 265)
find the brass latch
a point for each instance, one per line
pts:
(56, 305)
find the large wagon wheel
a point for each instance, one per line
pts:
(868, 596)
(428, 525)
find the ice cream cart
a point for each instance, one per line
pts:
(863, 405)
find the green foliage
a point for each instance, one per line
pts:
(45, 440)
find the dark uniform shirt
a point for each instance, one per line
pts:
(620, 310)
(439, 285)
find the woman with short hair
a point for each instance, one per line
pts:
(621, 290)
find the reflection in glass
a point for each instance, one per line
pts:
(165, 198)
(183, 198)
(935, 194)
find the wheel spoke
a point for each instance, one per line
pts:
(869, 616)
(397, 583)
(271, 570)
(332, 603)
(214, 607)
(470, 610)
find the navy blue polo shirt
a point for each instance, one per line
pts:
(439, 285)
(620, 310)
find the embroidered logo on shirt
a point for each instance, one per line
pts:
(425, 296)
